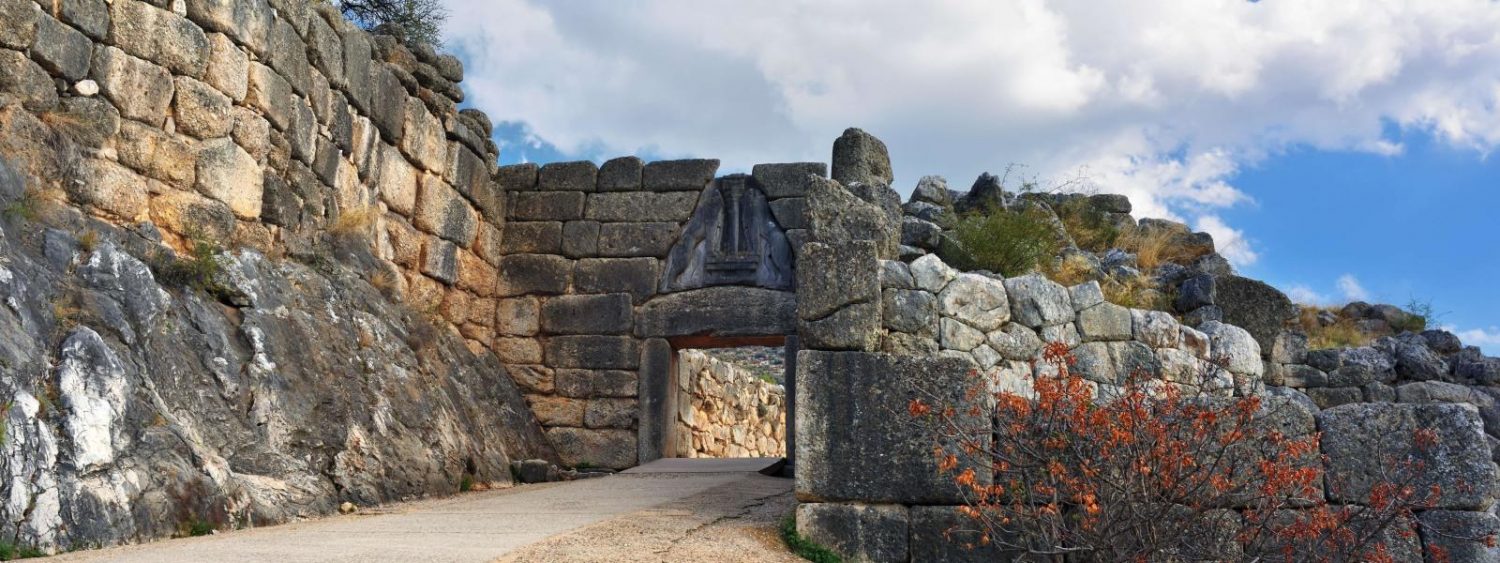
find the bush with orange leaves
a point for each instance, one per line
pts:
(1161, 472)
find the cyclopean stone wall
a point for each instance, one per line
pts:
(265, 126)
(725, 411)
(342, 352)
(608, 270)
(875, 330)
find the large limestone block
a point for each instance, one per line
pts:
(857, 532)
(674, 175)
(593, 352)
(942, 533)
(445, 213)
(931, 274)
(1460, 535)
(1361, 440)
(159, 36)
(640, 206)
(910, 311)
(611, 448)
(542, 274)
(979, 301)
(854, 327)
(202, 111)
(142, 91)
(636, 276)
(20, 17)
(424, 139)
(787, 179)
(719, 311)
(854, 438)
(111, 188)
(1257, 307)
(229, 174)
(860, 157)
(1036, 301)
(620, 175)
(158, 154)
(587, 314)
(834, 276)
(1234, 348)
(1104, 322)
(247, 21)
(1158, 329)
(62, 49)
(835, 215)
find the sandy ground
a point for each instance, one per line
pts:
(643, 516)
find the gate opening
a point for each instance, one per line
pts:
(732, 398)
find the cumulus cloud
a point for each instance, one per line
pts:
(1302, 294)
(1162, 101)
(1350, 287)
(1487, 339)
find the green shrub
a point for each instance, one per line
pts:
(1010, 243)
(26, 208)
(1088, 225)
(9, 551)
(199, 269)
(1419, 313)
(803, 547)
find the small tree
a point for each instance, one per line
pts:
(413, 21)
(1159, 471)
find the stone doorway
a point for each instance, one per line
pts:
(732, 397)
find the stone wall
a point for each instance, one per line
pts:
(274, 126)
(880, 332)
(725, 411)
(606, 273)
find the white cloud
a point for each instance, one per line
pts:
(1230, 242)
(1305, 295)
(1163, 101)
(1487, 339)
(1350, 287)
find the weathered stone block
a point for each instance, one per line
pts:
(836, 215)
(518, 350)
(1156, 329)
(1329, 397)
(533, 237)
(1234, 348)
(325, 50)
(636, 276)
(580, 176)
(1361, 440)
(547, 206)
(1104, 322)
(466, 171)
(424, 139)
(857, 532)
(580, 239)
(387, 103)
(247, 21)
(544, 274)
(610, 448)
(640, 206)
(517, 177)
(1112, 362)
(557, 411)
(229, 174)
(860, 157)
(610, 413)
(478, 276)
(941, 533)
(23, 78)
(440, 260)
(289, 56)
(357, 66)
(910, 311)
(1254, 306)
(855, 327)
(620, 175)
(20, 17)
(979, 301)
(445, 213)
(587, 314)
(202, 111)
(61, 49)
(519, 317)
(95, 121)
(142, 91)
(183, 211)
(593, 352)
(271, 94)
(1460, 536)
(590, 384)
(1036, 301)
(531, 378)
(159, 36)
(716, 311)
(675, 175)
(851, 443)
(157, 154)
(787, 179)
(110, 188)
(636, 239)
(790, 212)
(832, 277)
(395, 179)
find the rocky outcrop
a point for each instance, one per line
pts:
(139, 405)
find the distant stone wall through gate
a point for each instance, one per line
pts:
(608, 271)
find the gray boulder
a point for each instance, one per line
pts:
(1036, 301)
(1362, 441)
(1461, 535)
(1255, 306)
(1197, 291)
(860, 157)
(857, 532)
(835, 215)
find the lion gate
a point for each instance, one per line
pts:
(609, 272)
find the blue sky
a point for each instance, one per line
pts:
(1335, 149)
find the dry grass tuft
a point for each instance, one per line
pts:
(1343, 333)
(354, 221)
(1139, 292)
(1071, 270)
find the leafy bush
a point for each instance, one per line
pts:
(10, 551)
(413, 21)
(1419, 314)
(1011, 243)
(803, 547)
(26, 208)
(1148, 474)
(199, 269)
(1088, 225)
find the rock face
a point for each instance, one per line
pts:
(283, 394)
(859, 157)
(725, 411)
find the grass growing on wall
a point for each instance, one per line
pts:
(803, 547)
(1010, 243)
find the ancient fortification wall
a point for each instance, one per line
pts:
(724, 410)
